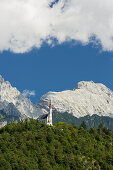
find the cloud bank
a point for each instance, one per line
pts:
(25, 24)
(28, 93)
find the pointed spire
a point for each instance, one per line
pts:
(49, 118)
(50, 104)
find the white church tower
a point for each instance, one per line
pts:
(49, 117)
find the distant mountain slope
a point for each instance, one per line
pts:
(91, 121)
(13, 103)
(87, 98)
(5, 119)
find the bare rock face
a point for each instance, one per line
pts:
(12, 102)
(87, 98)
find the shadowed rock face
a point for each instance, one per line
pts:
(87, 98)
(12, 102)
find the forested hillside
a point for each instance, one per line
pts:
(91, 121)
(35, 145)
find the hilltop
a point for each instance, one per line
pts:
(35, 145)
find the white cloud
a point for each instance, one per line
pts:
(28, 23)
(28, 93)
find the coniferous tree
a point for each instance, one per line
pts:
(83, 124)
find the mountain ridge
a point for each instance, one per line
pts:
(87, 98)
(12, 102)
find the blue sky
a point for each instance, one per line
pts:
(57, 68)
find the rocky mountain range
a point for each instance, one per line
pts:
(14, 104)
(87, 98)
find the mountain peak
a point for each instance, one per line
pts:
(87, 98)
(84, 84)
(96, 88)
(12, 102)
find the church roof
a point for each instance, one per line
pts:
(43, 116)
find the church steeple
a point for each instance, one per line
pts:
(49, 118)
(50, 105)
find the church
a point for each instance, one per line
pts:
(47, 118)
